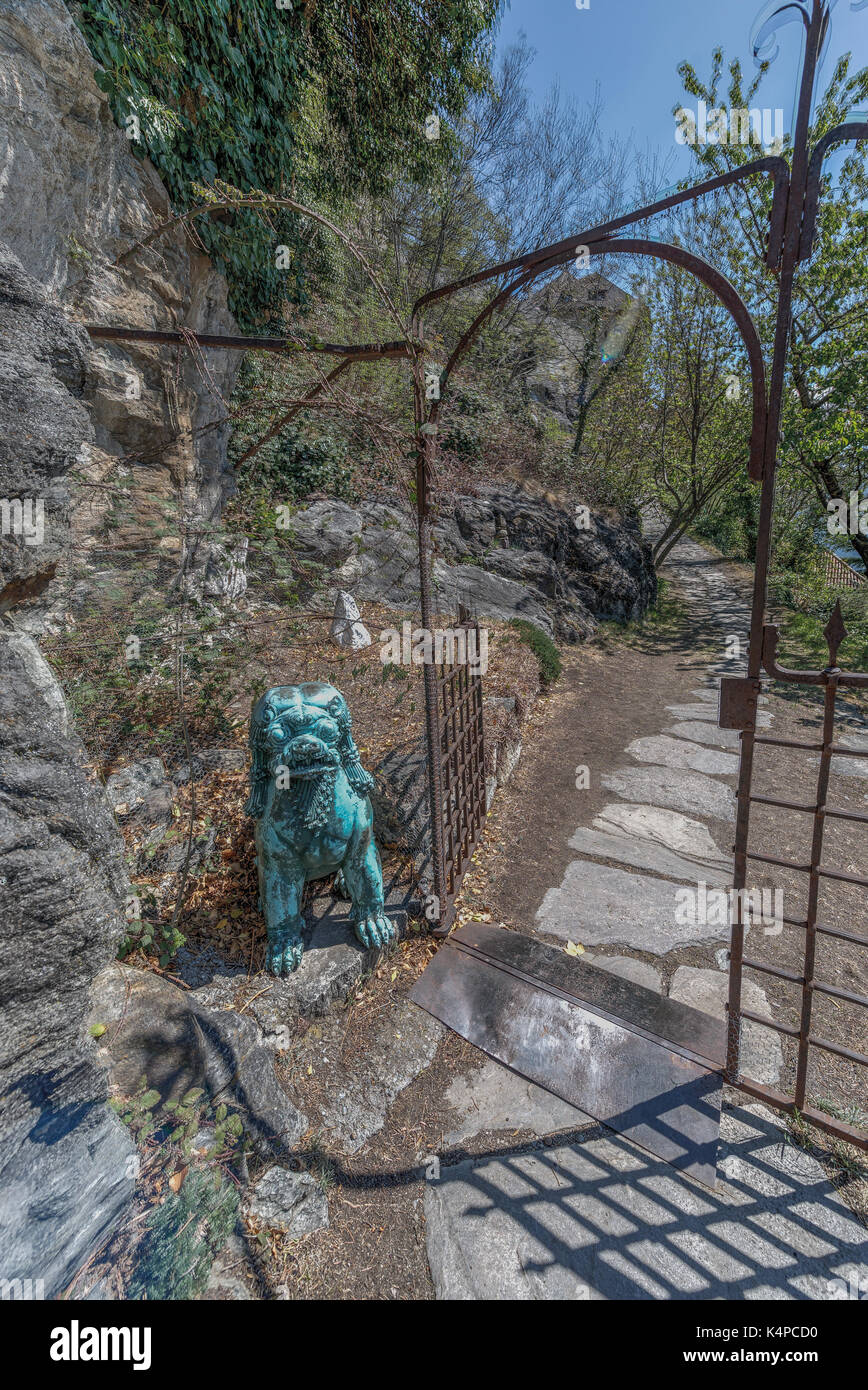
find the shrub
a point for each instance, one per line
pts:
(543, 648)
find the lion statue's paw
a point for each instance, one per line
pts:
(285, 949)
(375, 930)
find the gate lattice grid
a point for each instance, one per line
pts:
(818, 870)
(461, 770)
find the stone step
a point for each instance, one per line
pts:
(602, 1219)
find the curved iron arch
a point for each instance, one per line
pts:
(661, 250)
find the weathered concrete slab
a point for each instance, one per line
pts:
(493, 1098)
(677, 832)
(597, 905)
(603, 1219)
(676, 788)
(403, 1046)
(761, 1052)
(645, 854)
(678, 752)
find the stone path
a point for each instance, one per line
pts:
(597, 1217)
(603, 1219)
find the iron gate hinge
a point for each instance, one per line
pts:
(739, 699)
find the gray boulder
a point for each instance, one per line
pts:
(503, 552)
(290, 1202)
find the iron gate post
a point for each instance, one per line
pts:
(425, 445)
(788, 262)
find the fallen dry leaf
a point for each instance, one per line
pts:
(177, 1179)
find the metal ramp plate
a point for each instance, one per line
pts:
(649, 1067)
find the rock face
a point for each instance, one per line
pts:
(65, 1169)
(43, 376)
(347, 629)
(157, 1032)
(571, 315)
(73, 204)
(504, 553)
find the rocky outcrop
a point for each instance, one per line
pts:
(66, 1164)
(577, 324)
(65, 1161)
(504, 553)
(43, 375)
(74, 203)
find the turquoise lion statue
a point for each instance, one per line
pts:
(309, 797)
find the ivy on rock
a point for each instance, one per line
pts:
(320, 99)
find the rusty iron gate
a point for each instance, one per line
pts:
(454, 699)
(738, 710)
(461, 758)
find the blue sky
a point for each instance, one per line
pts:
(632, 49)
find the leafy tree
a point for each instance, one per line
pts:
(699, 445)
(824, 441)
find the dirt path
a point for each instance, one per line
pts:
(472, 1182)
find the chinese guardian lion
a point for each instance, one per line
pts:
(309, 797)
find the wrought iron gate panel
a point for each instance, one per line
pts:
(832, 679)
(461, 746)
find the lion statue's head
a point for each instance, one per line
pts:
(303, 731)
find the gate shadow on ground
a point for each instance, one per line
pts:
(602, 1218)
(588, 1214)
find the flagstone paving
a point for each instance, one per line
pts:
(677, 752)
(692, 793)
(647, 855)
(598, 1217)
(662, 826)
(708, 734)
(601, 905)
(493, 1098)
(706, 990)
